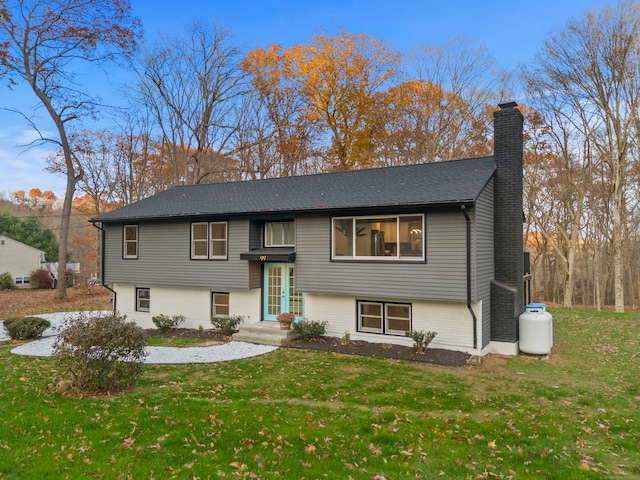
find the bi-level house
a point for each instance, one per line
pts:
(376, 253)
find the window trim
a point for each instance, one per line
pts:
(397, 257)
(125, 242)
(210, 240)
(267, 239)
(214, 304)
(383, 330)
(138, 299)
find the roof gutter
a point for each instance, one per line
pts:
(115, 295)
(473, 315)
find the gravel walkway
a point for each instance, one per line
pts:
(43, 347)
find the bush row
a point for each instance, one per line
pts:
(40, 278)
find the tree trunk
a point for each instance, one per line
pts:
(618, 273)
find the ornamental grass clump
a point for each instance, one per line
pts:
(26, 328)
(101, 353)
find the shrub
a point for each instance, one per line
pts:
(41, 278)
(226, 325)
(101, 353)
(26, 328)
(166, 322)
(421, 339)
(6, 281)
(310, 329)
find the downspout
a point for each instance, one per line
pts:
(115, 295)
(473, 315)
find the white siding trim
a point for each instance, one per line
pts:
(193, 303)
(451, 320)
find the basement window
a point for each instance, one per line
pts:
(384, 317)
(220, 304)
(143, 299)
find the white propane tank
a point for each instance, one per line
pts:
(536, 330)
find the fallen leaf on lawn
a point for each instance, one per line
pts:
(128, 442)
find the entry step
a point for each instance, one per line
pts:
(263, 333)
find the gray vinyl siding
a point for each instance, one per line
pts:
(164, 258)
(484, 257)
(255, 234)
(442, 277)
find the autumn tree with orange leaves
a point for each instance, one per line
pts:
(328, 84)
(36, 199)
(47, 40)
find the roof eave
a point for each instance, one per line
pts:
(287, 211)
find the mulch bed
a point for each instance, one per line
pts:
(436, 356)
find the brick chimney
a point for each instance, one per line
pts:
(507, 289)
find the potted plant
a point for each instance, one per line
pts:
(285, 319)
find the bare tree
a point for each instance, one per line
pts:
(593, 66)
(46, 41)
(558, 179)
(193, 86)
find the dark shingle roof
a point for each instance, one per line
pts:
(451, 182)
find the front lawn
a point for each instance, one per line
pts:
(305, 414)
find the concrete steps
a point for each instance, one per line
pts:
(263, 333)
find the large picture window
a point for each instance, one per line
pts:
(388, 237)
(384, 317)
(209, 240)
(130, 241)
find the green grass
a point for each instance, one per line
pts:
(302, 414)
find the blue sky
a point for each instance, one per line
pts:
(513, 30)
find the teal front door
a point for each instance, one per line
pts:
(279, 291)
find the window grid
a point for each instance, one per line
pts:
(220, 304)
(384, 317)
(209, 240)
(218, 235)
(295, 298)
(384, 237)
(274, 294)
(130, 241)
(143, 299)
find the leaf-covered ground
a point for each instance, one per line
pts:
(19, 302)
(319, 414)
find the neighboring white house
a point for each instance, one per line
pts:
(19, 260)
